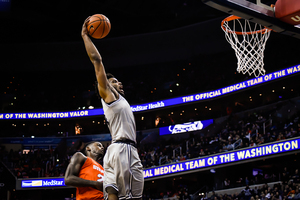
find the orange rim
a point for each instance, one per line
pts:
(233, 17)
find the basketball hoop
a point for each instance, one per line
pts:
(248, 39)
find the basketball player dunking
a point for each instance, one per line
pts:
(123, 171)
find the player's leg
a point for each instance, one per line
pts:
(137, 185)
(113, 197)
(109, 183)
(112, 193)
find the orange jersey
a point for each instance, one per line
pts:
(90, 170)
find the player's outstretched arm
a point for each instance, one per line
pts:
(96, 59)
(72, 172)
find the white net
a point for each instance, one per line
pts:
(248, 40)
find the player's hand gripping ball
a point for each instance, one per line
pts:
(98, 26)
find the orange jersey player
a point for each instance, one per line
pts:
(85, 173)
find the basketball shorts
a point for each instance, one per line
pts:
(123, 171)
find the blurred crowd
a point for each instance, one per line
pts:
(38, 163)
(286, 189)
(181, 192)
(248, 132)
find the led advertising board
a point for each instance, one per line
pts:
(223, 158)
(186, 127)
(49, 182)
(159, 104)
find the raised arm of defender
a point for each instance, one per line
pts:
(105, 89)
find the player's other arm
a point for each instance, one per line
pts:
(96, 59)
(72, 172)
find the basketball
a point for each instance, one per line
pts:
(98, 26)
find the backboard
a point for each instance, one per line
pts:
(255, 11)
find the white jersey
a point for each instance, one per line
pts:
(123, 170)
(120, 118)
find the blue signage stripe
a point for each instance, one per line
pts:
(219, 159)
(50, 182)
(159, 104)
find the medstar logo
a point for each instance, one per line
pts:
(53, 183)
